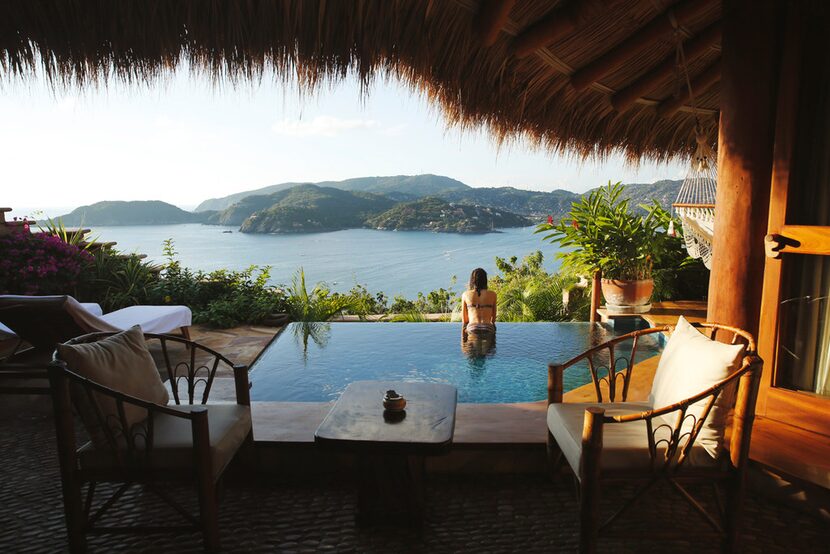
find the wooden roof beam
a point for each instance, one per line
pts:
(490, 19)
(644, 37)
(552, 27)
(703, 41)
(700, 83)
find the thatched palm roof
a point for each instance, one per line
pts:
(588, 76)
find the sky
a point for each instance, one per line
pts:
(186, 140)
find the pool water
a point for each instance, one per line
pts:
(315, 362)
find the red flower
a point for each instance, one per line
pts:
(550, 220)
(575, 224)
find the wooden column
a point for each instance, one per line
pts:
(747, 103)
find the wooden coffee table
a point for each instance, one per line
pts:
(391, 451)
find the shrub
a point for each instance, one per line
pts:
(116, 280)
(365, 303)
(40, 264)
(526, 292)
(221, 298)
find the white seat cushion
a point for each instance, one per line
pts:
(690, 364)
(624, 445)
(152, 319)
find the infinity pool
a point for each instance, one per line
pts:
(315, 362)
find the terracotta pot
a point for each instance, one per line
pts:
(618, 292)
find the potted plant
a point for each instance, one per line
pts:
(601, 233)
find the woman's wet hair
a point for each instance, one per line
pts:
(478, 280)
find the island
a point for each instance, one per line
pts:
(135, 212)
(435, 214)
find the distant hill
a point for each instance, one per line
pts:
(665, 192)
(435, 214)
(293, 207)
(137, 212)
(398, 187)
(311, 208)
(535, 204)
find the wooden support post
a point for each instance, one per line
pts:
(749, 82)
(596, 295)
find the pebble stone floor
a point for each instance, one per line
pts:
(493, 514)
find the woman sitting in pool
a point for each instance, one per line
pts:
(478, 305)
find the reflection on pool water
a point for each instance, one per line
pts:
(316, 362)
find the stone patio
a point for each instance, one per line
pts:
(515, 508)
(465, 514)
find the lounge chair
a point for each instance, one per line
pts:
(91, 307)
(44, 321)
(677, 436)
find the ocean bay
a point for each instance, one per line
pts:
(395, 262)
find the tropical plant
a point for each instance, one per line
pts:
(115, 280)
(76, 237)
(526, 292)
(319, 304)
(602, 232)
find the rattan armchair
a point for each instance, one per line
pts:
(664, 450)
(187, 441)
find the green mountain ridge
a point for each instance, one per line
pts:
(529, 203)
(398, 187)
(134, 212)
(352, 203)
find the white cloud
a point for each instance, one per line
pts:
(394, 130)
(321, 126)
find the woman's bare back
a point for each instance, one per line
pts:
(479, 308)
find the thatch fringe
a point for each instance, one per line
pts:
(429, 45)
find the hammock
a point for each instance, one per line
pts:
(695, 204)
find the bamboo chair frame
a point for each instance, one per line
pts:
(130, 446)
(671, 468)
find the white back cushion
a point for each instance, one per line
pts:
(690, 364)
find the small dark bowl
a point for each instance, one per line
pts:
(394, 404)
